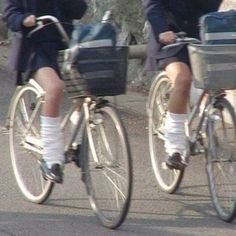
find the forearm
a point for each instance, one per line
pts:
(14, 15)
(155, 13)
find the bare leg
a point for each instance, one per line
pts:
(180, 75)
(175, 139)
(53, 86)
(52, 137)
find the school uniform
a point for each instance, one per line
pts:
(41, 50)
(176, 16)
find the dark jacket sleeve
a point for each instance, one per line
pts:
(74, 9)
(155, 12)
(209, 5)
(14, 15)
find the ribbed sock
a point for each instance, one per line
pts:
(175, 137)
(52, 141)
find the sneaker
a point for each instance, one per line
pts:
(175, 161)
(54, 174)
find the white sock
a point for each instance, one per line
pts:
(74, 120)
(52, 141)
(175, 136)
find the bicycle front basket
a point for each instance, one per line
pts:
(213, 66)
(98, 71)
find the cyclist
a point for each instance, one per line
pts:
(37, 56)
(166, 18)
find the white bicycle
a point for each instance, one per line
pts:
(104, 157)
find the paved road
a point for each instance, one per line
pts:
(67, 213)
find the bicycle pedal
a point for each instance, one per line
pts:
(196, 148)
(72, 155)
(197, 151)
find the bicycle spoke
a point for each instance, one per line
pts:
(25, 154)
(221, 167)
(114, 185)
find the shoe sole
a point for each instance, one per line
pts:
(176, 165)
(49, 178)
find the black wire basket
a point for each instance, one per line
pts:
(98, 71)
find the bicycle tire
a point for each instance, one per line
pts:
(25, 162)
(109, 180)
(168, 180)
(221, 158)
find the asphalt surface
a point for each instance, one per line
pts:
(189, 212)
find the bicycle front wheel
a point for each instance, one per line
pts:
(169, 180)
(221, 158)
(108, 170)
(24, 141)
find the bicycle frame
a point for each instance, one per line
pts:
(191, 117)
(196, 136)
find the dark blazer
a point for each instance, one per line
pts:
(14, 13)
(174, 15)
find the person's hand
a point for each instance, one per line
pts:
(167, 37)
(29, 21)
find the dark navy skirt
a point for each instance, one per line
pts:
(180, 56)
(44, 55)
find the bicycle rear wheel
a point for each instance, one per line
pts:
(169, 180)
(108, 169)
(24, 141)
(221, 158)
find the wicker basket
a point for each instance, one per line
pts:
(99, 71)
(213, 66)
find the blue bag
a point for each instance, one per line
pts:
(94, 64)
(218, 27)
(99, 32)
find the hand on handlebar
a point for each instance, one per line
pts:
(40, 23)
(29, 21)
(180, 39)
(167, 37)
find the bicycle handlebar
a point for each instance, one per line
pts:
(65, 38)
(40, 25)
(181, 40)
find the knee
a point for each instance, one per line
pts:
(55, 90)
(183, 81)
(181, 76)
